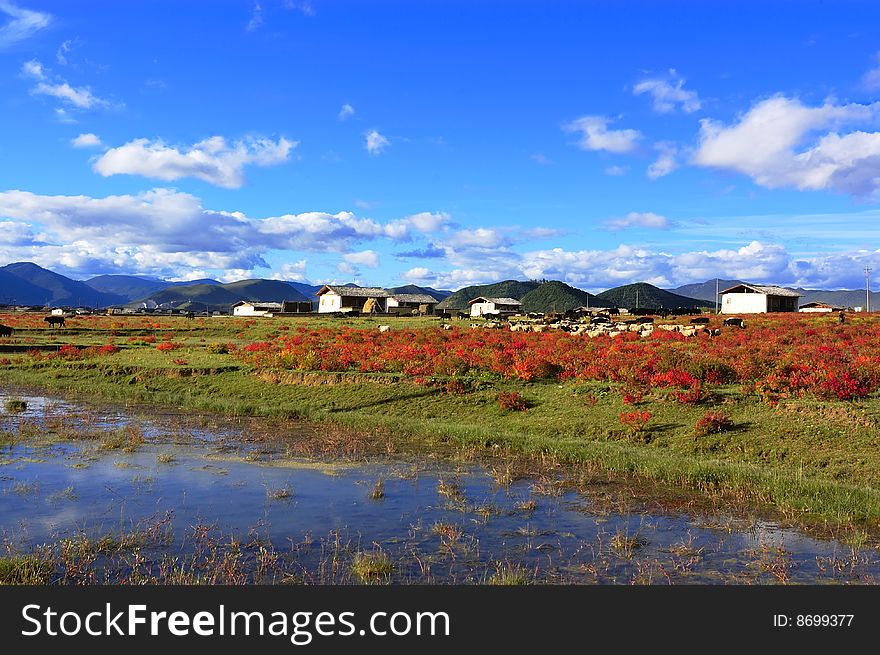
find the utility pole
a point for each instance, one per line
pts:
(716, 295)
(867, 289)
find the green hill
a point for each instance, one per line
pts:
(642, 294)
(221, 296)
(415, 289)
(507, 289)
(556, 297)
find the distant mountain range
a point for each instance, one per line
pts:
(25, 283)
(647, 295)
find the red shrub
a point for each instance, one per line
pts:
(511, 400)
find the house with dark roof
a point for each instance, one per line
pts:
(482, 305)
(758, 299)
(407, 302)
(346, 298)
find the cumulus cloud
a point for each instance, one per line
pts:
(214, 160)
(416, 275)
(595, 135)
(776, 144)
(53, 86)
(346, 112)
(87, 140)
(369, 258)
(375, 143)
(166, 232)
(639, 219)
(668, 94)
(22, 23)
(666, 162)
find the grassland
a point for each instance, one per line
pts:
(815, 460)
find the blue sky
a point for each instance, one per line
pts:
(442, 143)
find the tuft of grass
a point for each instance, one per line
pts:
(374, 566)
(127, 438)
(165, 458)
(509, 575)
(282, 493)
(378, 491)
(24, 570)
(15, 405)
(626, 544)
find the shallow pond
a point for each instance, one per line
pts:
(193, 494)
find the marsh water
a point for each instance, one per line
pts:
(432, 520)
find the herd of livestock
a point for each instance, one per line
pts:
(600, 324)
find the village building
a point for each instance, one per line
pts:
(255, 308)
(348, 298)
(407, 302)
(758, 299)
(820, 307)
(482, 305)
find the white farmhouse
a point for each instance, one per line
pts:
(255, 308)
(420, 302)
(758, 299)
(482, 305)
(350, 298)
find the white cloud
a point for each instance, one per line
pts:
(871, 79)
(417, 274)
(55, 87)
(166, 232)
(668, 95)
(22, 23)
(595, 135)
(771, 144)
(616, 170)
(256, 18)
(347, 111)
(87, 140)
(369, 258)
(538, 158)
(303, 6)
(213, 160)
(426, 222)
(375, 143)
(480, 237)
(61, 53)
(292, 271)
(666, 162)
(638, 219)
(346, 268)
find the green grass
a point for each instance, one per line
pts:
(815, 461)
(24, 570)
(371, 567)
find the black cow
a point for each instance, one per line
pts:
(700, 320)
(190, 316)
(644, 319)
(54, 321)
(599, 320)
(6, 331)
(735, 322)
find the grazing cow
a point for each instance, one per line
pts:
(735, 322)
(54, 321)
(700, 320)
(645, 320)
(6, 331)
(597, 320)
(463, 315)
(384, 328)
(190, 316)
(446, 316)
